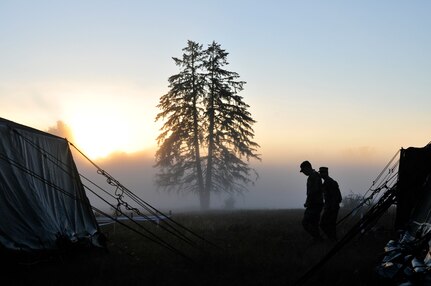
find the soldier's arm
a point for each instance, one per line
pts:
(338, 193)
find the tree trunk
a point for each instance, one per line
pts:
(208, 181)
(204, 200)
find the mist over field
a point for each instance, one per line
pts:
(279, 186)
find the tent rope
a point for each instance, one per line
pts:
(57, 163)
(382, 184)
(121, 190)
(183, 238)
(27, 171)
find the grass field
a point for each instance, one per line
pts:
(256, 247)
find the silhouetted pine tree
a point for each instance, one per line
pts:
(207, 137)
(229, 132)
(178, 156)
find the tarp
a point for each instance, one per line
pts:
(42, 200)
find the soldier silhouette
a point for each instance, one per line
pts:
(332, 199)
(314, 202)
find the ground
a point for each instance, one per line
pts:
(254, 247)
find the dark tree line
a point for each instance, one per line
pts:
(206, 141)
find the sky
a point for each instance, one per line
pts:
(344, 84)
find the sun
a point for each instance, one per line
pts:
(103, 128)
(100, 136)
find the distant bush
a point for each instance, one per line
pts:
(352, 200)
(229, 203)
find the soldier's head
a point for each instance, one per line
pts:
(323, 171)
(306, 168)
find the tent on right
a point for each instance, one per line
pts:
(407, 261)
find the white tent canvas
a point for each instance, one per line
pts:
(42, 200)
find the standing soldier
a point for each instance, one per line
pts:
(332, 197)
(314, 202)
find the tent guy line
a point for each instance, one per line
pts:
(379, 184)
(50, 177)
(121, 190)
(154, 239)
(120, 202)
(102, 221)
(118, 209)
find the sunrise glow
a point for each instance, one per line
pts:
(102, 124)
(98, 137)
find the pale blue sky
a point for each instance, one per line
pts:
(330, 81)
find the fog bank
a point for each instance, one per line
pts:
(279, 186)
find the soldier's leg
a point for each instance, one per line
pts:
(333, 222)
(325, 223)
(311, 221)
(329, 221)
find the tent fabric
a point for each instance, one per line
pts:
(413, 198)
(42, 200)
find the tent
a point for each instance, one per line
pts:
(407, 260)
(414, 193)
(43, 205)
